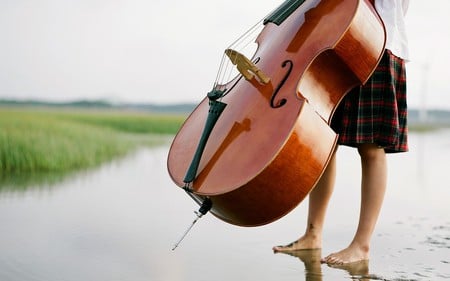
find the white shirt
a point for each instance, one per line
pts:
(393, 12)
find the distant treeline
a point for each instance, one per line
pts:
(415, 118)
(100, 104)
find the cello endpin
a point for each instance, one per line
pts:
(204, 208)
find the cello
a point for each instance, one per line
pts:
(255, 146)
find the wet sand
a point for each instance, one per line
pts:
(120, 222)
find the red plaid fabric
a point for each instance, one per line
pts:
(377, 111)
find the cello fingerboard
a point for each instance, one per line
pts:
(283, 11)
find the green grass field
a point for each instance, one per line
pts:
(40, 140)
(40, 143)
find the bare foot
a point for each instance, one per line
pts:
(353, 253)
(304, 243)
(359, 268)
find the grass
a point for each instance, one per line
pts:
(36, 141)
(49, 143)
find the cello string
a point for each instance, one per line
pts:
(241, 44)
(220, 74)
(243, 36)
(225, 70)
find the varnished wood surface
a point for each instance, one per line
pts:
(260, 162)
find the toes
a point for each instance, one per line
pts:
(283, 248)
(332, 260)
(277, 248)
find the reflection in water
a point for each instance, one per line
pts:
(357, 270)
(119, 222)
(24, 181)
(313, 266)
(311, 259)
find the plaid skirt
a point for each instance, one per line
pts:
(377, 111)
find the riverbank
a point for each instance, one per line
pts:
(43, 144)
(50, 140)
(50, 137)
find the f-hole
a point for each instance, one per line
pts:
(280, 103)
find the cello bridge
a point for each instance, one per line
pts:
(246, 67)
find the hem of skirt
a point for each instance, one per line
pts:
(387, 148)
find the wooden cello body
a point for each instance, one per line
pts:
(273, 141)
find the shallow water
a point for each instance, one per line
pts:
(120, 221)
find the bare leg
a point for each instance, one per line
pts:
(373, 187)
(318, 203)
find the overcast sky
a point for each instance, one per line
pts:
(167, 51)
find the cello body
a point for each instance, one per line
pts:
(273, 140)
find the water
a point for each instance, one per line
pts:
(120, 221)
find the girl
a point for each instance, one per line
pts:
(371, 118)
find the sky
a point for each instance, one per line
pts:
(163, 52)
